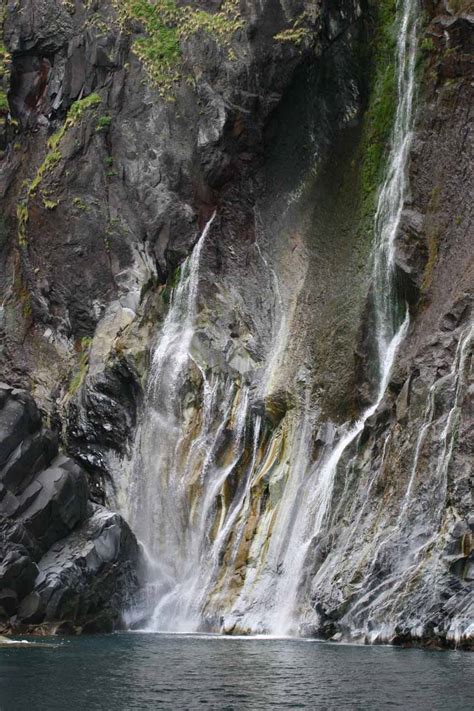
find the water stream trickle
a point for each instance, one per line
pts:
(195, 507)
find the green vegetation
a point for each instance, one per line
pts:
(4, 58)
(80, 204)
(111, 172)
(80, 374)
(4, 66)
(165, 25)
(51, 159)
(78, 108)
(50, 204)
(171, 284)
(365, 174)
(175, 277)
(381, 109)
(103, 123)
(297, 33)
(427, 45)
(22, 294)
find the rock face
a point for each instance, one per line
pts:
(275, 118)
(63, 559)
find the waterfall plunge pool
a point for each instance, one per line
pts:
(128, 672)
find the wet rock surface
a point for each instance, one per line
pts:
(63, 559)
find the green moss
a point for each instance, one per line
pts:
(165, 25)
(26, 308)
(171, 284)
(427, 45)
(380, 113)
(22, 220)
(175, 277)
(4, 66)
(83, 366)
(78, 108)
(3, 102)
(103, 123)
(80, 204)
(23, 297)
(298, 32)
(50, 204)
(295, 35)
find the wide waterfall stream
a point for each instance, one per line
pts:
(202, 450)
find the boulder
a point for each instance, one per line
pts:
(17, 421)
(62, 560)
(55, 502)
(31, 609)
(8, 502)
(91, 575)
(18, 571)
(8, 602)
(30, 456)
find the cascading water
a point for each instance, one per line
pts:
(202, 451)
(308, 493)
(392, 195)
(415, 532)
(178, 499)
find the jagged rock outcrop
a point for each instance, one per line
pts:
(135, 178)
(64, 561)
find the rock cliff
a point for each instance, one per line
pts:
(125, 127)
(67, 564)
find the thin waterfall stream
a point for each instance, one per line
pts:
(199, 456)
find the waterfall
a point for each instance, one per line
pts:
(309, 492)
(199, 460)
(160, 509)
(392, 194)
(416, 533)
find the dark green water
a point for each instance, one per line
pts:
(146, 671)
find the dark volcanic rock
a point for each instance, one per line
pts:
(55, 502)
(63, 559)
(90, 576)
(32, 454)
(17, 571)
(18, 418)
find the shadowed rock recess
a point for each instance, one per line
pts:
(236, 318)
